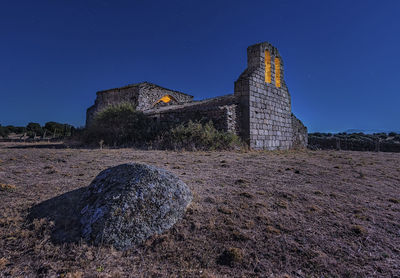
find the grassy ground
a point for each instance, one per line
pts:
(254, 214)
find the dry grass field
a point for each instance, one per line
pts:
(254, 214)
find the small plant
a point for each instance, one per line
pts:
(313, 208)
(273, 230)
(7, 187)
(239, 236)
(358, 230)
(230, 256)
(241, 181)
(360, 175)
(225, 210)
(395, 201)
(246, 195)
(3, 262)
(282, 204)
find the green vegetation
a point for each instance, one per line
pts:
(55, 129)
(198, 136)
(4, 132)
(122, 125)
(35, 130)
(230, 256)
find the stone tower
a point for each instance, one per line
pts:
(264, 101)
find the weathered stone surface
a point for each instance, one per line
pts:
(128, 203)
(300, 135)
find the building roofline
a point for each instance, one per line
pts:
(141, 84)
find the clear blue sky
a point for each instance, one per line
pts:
(342, 61)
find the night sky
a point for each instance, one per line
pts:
(342, 61)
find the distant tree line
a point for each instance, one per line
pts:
(386, 142)
(35, 130)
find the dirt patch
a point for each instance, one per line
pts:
(274, 214)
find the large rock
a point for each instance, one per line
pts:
(128, 203)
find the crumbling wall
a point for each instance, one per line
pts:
(112, 97)
(300, 134)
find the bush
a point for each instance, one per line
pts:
(197, 136)
(120, 125)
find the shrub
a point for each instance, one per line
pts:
(198, 136)
(230, 256)
(120, 125)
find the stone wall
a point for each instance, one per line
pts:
(266, 122)
(300, 134)
(150, 93)
(222, 111)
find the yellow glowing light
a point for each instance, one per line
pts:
(165, 99)
(267, 66)
(277, 72)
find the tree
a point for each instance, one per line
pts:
(58, 129)
(16, 129)
(34, 129)
(4, 131)
(54, 128)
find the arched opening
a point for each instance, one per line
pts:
(166, 99)
(277, 72)
(267, 66)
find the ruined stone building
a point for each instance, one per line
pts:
(259, 110)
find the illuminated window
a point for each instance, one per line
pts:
(267, 66)
(277, 72)
(165, 99)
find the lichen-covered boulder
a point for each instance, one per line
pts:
(126, 204)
